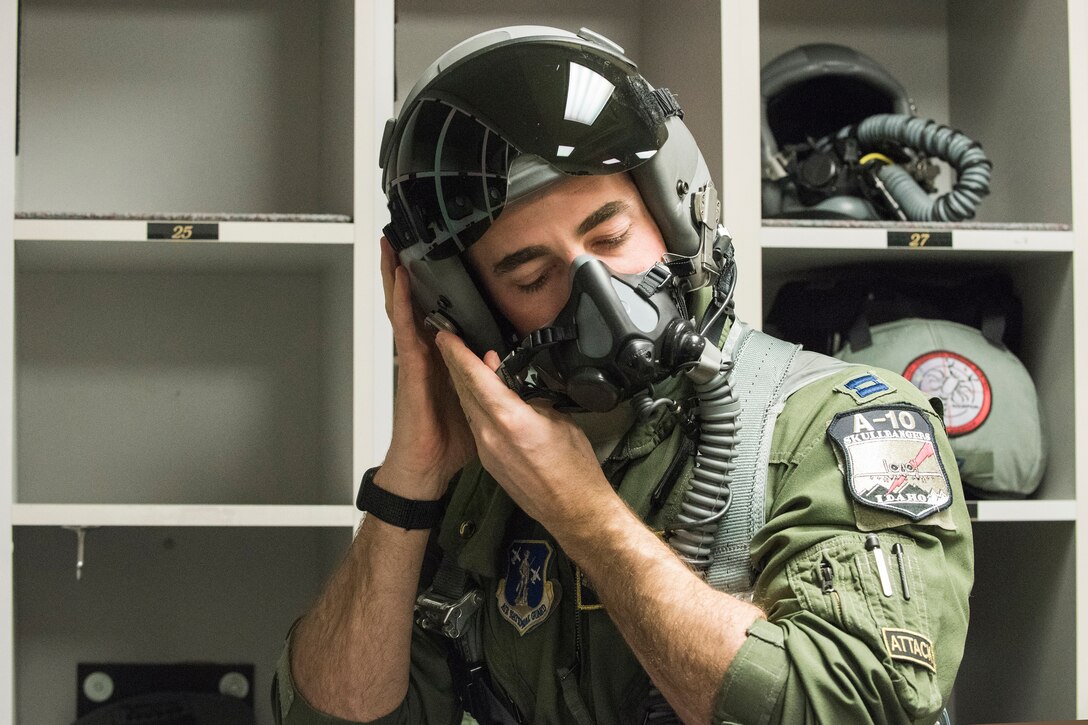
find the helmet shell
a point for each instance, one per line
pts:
(814, 90)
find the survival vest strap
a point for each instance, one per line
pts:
(765, 372)
(451, 608)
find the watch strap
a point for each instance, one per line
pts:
(407, 513)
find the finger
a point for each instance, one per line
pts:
(389, 264)
(405, 329)
(476, 383)
(491, 359)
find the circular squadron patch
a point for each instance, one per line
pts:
(890, 460)
(959, 383)
(525, 595)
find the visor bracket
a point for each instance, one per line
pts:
(668, 103)
(595, 37)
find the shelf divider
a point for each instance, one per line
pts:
(1014, 510)
(39, 514)
(228, 229)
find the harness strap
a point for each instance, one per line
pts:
(765, 373)
(451, 607)
(760, 365)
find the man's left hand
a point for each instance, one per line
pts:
(539, 456)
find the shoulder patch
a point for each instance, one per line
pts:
(903, 644)
(865, 388)
(526, 595)
(891, 461)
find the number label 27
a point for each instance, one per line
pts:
(917, 240)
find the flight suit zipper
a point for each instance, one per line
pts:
(574, 698)
(827, 585)
(578, 636)
(575, 601)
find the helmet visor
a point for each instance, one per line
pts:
(581, 109)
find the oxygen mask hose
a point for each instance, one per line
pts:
(706, 503)
(926, 137)
(707, 500)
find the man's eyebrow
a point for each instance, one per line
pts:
(515, 259)
(603, 214)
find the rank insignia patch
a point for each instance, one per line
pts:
(890, 460)
(526, 597)
(864, 387)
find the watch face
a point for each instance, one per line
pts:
(959, 383)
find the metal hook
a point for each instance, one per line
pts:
(81, 537)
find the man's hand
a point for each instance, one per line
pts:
(685, 634)
(540, 457)
(350, 654)
(431, 440)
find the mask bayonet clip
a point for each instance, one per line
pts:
(513, 367)
(705, 213)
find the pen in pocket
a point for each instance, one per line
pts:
(872, 543)
(897, 549)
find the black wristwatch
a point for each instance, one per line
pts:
(406, 513)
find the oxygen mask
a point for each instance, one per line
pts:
(617, 335)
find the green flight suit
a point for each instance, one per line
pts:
(825, 653)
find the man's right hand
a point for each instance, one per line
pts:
(431, 438)
(350, 654)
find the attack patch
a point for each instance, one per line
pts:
(959, 383)
(526, 597)
(865, 388)
(890, 460)
(902, 644)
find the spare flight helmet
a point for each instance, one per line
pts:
(505, 113)
(810, 93)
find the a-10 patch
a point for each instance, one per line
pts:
(891, 461)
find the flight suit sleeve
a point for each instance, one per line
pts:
(430, 700)
(836, 645)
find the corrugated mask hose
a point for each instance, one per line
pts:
(707, 501)
(931, 139)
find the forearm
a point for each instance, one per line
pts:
(683, 632)
(350, 654)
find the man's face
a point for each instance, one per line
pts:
(524, 258)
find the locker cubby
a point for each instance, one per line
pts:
(1044, 283)
(995, 69)
(174, 106)
(158, 596)
(151, 373)
(1020, 659)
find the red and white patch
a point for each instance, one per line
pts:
(959, 383)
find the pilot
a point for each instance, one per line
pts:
(606, 499)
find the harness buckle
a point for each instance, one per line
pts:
(448, 617)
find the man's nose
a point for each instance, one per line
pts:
(573, 250)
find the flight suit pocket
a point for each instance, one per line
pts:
(840, 581)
